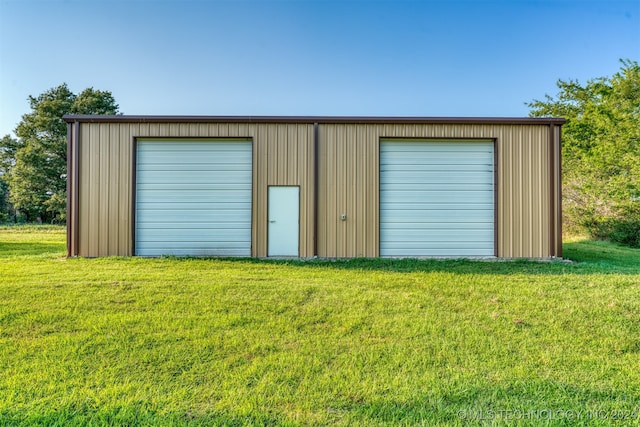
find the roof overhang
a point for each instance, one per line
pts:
(71, 118)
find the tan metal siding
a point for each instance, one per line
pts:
(124, 171)
(523, 173)
(104, 190)
(282, 156)
(528, 220)
(349, 181)
(348, 175)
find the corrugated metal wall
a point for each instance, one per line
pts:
(349, 183)
(283, 155)
(348, 159)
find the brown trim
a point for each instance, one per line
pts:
(69, 178)
(435, 139)
(552, 187)
(377, 225)
(316, 187)
(312, 119)
(134, 168)
(75, 202)
(134, 161)
(496, 189)
(182, 137)
(559, 194)
(254, 184)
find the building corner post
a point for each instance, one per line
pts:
(69, 178)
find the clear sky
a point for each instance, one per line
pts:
(305, 57)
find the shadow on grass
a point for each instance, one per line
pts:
(587, 263)
(587, 257)
(580, 257)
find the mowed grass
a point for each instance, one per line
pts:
(170, 341)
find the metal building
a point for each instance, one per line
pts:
(314, 186)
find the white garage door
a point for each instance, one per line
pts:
(193, 197)
(436, 198)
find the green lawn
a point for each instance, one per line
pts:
(131, 341)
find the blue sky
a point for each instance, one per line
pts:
(350, 57)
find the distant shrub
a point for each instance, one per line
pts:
(623, 228)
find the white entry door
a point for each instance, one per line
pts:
(284, 220)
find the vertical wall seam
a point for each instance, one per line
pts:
(552, 233)
(496, 210)
(69, 195)
(252, 249)
(134, 161)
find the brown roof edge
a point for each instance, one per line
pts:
(313, 119)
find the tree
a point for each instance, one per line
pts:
(8, 147)
(5, 206)
(601, 152)
(36, 164)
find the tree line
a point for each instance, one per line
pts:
(33, 167)
(600, 153)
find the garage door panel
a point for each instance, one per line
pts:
(442, 235)
(435, 216)
(227, 234)
(202, 249)
(166, 156)
(188, 145)
(437, 177)
(462, 158)
(437, 252)
(457, 146)
(203, 226)
(436, 198)
(199, 206)
(441, 210)
(179, 188)
(453, 226)
(193, 197)
(437, 167)
(193, 176)
(187, 195)
(200, 215)
(456, 198)
(189, 169)
(439, 244)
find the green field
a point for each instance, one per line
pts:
(171, 341)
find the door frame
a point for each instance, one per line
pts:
(496, 177)
(137, 139)
(268, 216)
